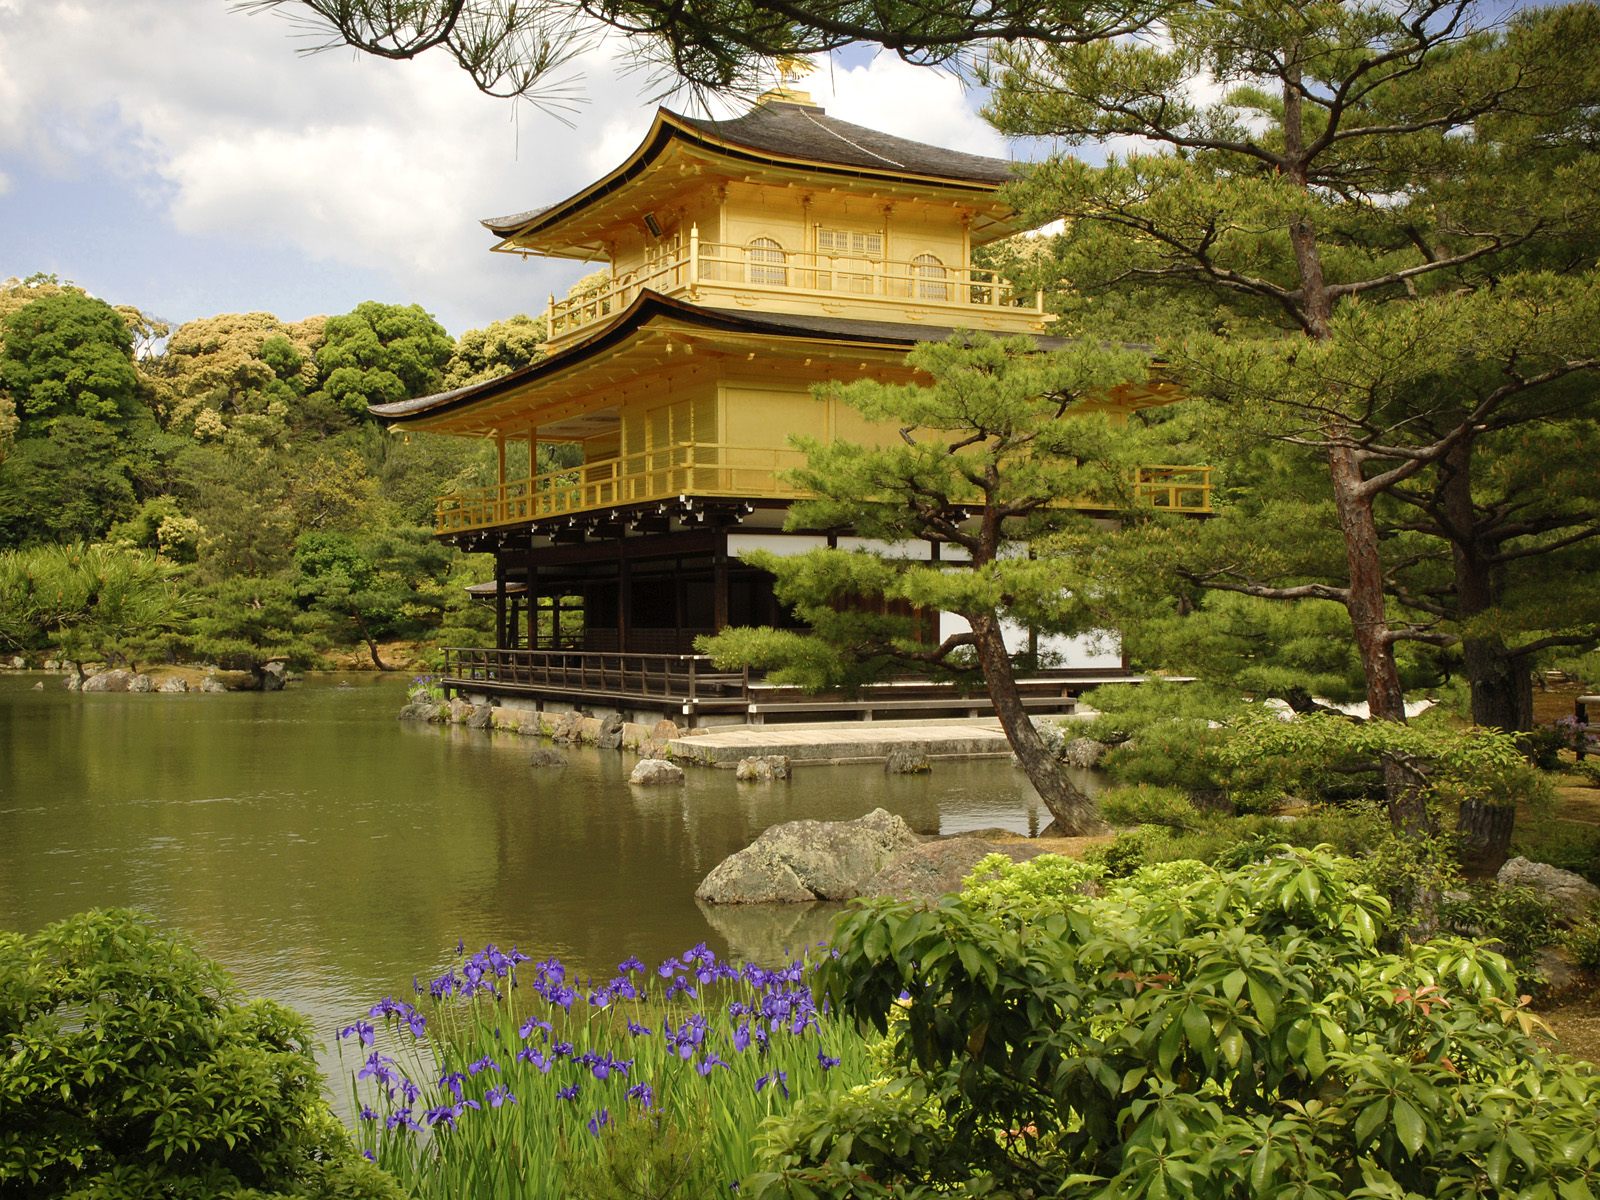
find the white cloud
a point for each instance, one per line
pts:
(213, 118)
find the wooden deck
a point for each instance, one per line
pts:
(689, 687)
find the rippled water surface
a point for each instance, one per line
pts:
(327, 853)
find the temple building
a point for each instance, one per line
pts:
(749, 260)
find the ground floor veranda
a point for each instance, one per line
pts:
(605, 617)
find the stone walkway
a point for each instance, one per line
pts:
(844, 741)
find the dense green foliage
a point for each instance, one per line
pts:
(1191, 1032)
(237, 455)
(132, 1067)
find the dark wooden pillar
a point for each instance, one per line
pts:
(533, 589)
(624, 596)
(499, 601)
(719, 583)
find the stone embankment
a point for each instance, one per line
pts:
(564, 729)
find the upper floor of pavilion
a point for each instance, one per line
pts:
(784, 210)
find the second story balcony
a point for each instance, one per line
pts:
(765, 276)
(711, 470)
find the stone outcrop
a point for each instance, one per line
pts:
(910, 760)
(547, 756)
(274, 675)
(609, 735)
(1571, 895)
(481, 717)
(762, 768)
(1085, 753)
(212, 684)
(655, 771)
(933, 869)
(423, 710)
(172, 685)
(142, 684)
(109, 681)
(809, 860)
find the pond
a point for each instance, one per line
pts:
(327, 852)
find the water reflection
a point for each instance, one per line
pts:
(327, 852)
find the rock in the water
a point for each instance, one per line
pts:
(910, 760)
(566, 726)
(547, 756)
(141, 683)
(609, 735)
(665, 730)
(274, 675)
(419, 710)
(172, 685)
(109, 681)
(828, 860)
(762, 768)
(482, 717)
(652, 748)
(39, 687)
(72, 683)
(656, 770)
(212, 684)
(459, 710)
(1572, 896)
(1083, 752)
(934, 869)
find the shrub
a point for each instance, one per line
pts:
(132, 1067)
(1150, 804)
(997, 885)
(1240, 1035)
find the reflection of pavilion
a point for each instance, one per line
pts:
(750, 260)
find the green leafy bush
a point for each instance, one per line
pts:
(1237, 1035)
(997, 884)
(131, 1067)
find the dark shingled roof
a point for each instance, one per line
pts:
(801, 131)
(798, 131)
(649, 305)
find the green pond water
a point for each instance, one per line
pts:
(327, 852)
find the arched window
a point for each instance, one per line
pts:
(930, 278)
(767, 263)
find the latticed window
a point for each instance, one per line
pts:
(767, 262)
(850, 254)
(930, 277)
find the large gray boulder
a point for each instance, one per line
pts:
(482, 717)
(1571, 895)
(808, 860)
(141, 683)
(908, 760)
(547, 756)
(172, 685)
(651, 771)
(109, 681)
(933, 869)
(274, 675)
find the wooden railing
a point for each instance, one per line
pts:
(679, 678)
(711, 469)
(828, 276)
(691, 468)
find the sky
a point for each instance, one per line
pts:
(189, 159)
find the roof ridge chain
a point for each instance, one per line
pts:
(848, 142)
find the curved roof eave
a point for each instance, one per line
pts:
(668, 125)
(651, 305)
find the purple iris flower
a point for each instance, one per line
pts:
(629, 965)
(599, 1121)
(639, 1030)
(483, 1064)
(568, 1093)
(828, 1061)
(741, 1037)
(498, 1095)
(781, 1078)
(525, 1030)
(529, 1055)
(561, 1050)
(401, 1118)
(360, 1029)
(706, 1064)
(644, 1093)
(367, 1114)
(453, 1080)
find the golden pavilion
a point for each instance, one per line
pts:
(749, 260)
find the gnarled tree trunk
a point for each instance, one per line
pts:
(1074, 811)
